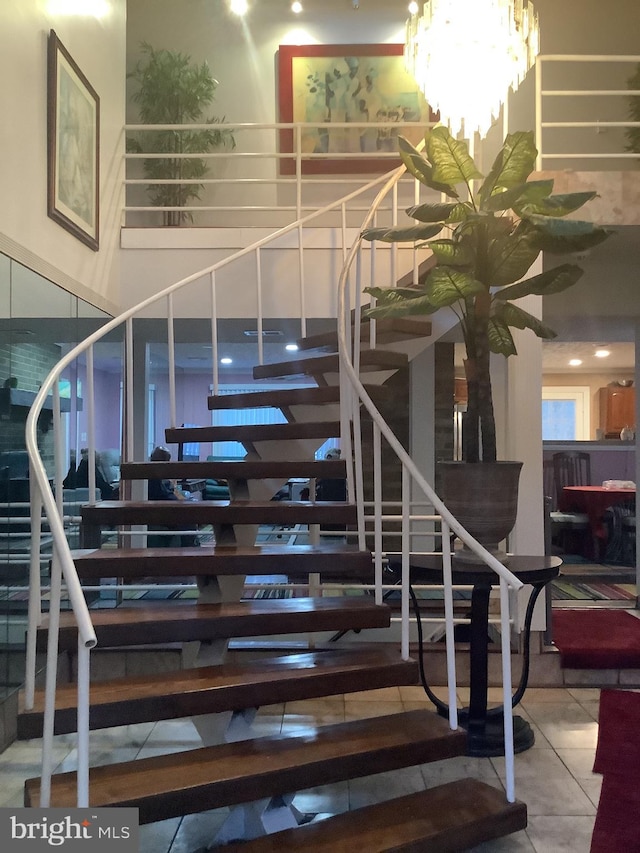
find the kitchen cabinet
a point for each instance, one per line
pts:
(617, 409)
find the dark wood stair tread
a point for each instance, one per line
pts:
(369, 360)
(242, 470)
(212, 777)
(150, 623)
(330, 561)
(225, 512)
(451, 817)
(255, 432)
(387, 330)
(212, 689)
(280, 398)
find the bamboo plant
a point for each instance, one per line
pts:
(174, 90)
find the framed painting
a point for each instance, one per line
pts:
(73, 146)
(333, 85)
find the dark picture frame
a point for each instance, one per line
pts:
(380, 87)
(73, 146)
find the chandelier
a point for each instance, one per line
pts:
(465, 54)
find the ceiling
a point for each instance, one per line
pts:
(556, 356)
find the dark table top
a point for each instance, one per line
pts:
(528, 569)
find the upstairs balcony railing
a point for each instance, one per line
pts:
(580, 112)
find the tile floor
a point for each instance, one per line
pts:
(553, 778)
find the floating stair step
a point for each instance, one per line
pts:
(242, 470)
(284, 397)
(387, 331)
(332, 562)
(317, 365)
(189, 513)
(213, 777)
(254, 432)
(212, 689)
(146, 624)
(452, 817)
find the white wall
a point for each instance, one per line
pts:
(97, 44)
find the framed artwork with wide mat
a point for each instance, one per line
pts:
(332, 86)
(73, 146)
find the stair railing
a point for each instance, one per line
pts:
(42, 494)
(354, 398)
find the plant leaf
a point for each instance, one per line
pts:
(454, 253)
(432, 212)
(512, 166)
(446, 286)
(555, 205)
(452, 163)
(551, 281)
(562, 236)
(519, 319)
(500, 338)
(510, 255)
(393, 302)
(516, 197)
(421, 169)
(407, 234)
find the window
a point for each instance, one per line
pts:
(565, 413)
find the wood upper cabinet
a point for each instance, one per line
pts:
(617, 409)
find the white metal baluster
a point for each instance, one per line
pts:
(303, 298)
(50, 680)
(83, 724)
(394, 246)
(416, 201)
(538, 117)
(91, 424)
(172, 361)
(259, 305)
(448, 623)
(505, 628)
(215, 367)
(34, 613)
(406, 559)
(129, 387)
(377, 510)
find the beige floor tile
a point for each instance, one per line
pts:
(461, 767)
(384, 786)
(579, 762)
(592, 788)
(518, 842)
(383, 694)
(540, 763)
(366, 710)
(553, 795)
(551, 834)
(157, 837)
(535, 695)
(584, 694)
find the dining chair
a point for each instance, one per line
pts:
(570, 530)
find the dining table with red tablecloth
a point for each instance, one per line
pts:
(593, 501)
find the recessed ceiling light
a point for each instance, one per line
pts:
(413, 8)
(226, 360)
(296, 7)
(575, 362)
(291, 347)
(602, 353)
(239, 7)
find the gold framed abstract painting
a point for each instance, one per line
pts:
(329, 87)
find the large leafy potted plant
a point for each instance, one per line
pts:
(484, 244)
(174, 90)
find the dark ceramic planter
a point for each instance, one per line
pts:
(483, 496)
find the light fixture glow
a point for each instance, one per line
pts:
(602, 353)
(296, 7)
(413, 7)
(465, 54)
(291, 347)
(239, 7)
(226, 360)
(575, 362)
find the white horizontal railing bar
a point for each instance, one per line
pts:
(584, 57)
(590, 156)
(555, 93)
(596, 124)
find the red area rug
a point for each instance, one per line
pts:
(597, 639)
(617, 825)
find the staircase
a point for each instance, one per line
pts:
(257, 777)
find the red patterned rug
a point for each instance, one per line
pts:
(617, 825)
(597, 638)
